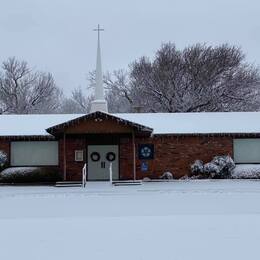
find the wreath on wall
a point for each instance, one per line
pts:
(95, 156)
(111, 156)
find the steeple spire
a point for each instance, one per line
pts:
(99, 103)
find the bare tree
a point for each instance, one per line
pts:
(198, 78)
(117, 90)
(78, 102)
(24, 91)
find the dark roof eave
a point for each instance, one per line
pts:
(28, 137)
(208, 134)
(51, 137)
(138, 127)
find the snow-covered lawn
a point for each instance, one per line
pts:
(177, 220)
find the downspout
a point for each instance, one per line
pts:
(134, 155)
(64, 158)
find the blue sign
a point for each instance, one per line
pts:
(146, 151)
(144, 166)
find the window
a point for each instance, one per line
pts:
(79, 155)
(247, 150)
(34, 153)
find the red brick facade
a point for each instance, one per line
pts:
(73, 168)
(174, 154)
(126, 168)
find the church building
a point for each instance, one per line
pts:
(138, 145)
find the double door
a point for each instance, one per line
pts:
(99, 159)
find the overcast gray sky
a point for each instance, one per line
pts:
(57, 36)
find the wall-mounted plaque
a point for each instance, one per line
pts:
(146, 151)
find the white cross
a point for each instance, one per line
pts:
(98, 29)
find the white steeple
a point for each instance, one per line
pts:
(99, 103)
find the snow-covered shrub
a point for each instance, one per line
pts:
(197, 167)
(146, 179)
(219, 168)
(211, 170)
(167, 176)
(225, 164)
(184, 177)
(246, 171)
(193, 177)
(3, 160)
(29, 175)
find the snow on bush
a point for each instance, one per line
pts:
(29, 175)
(3, 160)
(225, 164)
(22, 171)
(219, 168)
(246, 171)
(193, 177)
(197, 167)
(167, 176)
(146, 179)
(211, 169)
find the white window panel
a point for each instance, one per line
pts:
(34, 153)
(247, 150)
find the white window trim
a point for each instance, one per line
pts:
(79, 155)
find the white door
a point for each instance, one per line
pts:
(99, 159)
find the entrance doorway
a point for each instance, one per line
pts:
(99, 159)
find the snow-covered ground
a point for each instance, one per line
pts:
(246, 171)
(177, 220)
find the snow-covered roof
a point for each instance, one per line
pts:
(161, 123)
(27, 125)
(198, 123)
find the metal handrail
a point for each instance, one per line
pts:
(110, 173)
(84, 175)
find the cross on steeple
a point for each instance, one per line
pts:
(98, 29)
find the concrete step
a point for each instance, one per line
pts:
(68, 184)
(126, 183)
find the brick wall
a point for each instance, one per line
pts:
(126, 158)
(73, 168)
(174, 154)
